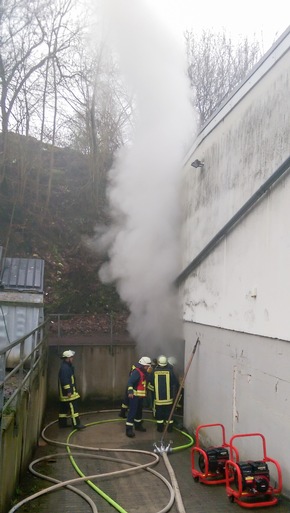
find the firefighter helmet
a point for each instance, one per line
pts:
(162, 361)
(172, 360)
(145, 360)
(68, 354)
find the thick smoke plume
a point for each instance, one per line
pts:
(144, 183)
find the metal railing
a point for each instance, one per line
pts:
(110, 324)
(32, 349)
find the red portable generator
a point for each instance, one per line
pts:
(251, 486)
(211, 461)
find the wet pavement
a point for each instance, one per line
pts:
(103, 449)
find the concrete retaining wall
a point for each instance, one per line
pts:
(20, 433)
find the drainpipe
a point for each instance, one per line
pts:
(234, 220)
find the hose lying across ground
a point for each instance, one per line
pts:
(173, 488)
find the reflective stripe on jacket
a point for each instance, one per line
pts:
(164, 384)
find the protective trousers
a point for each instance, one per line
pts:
(135, 411)
(68, 410)
(162, 414)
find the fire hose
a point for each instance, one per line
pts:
(163, 450)
(88, 478)
(180, 388)
(173, 487)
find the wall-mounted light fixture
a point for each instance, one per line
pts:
(253, 292)
(197, 163)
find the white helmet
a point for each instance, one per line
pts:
(145, 360)
(68, 354)
(172, 360)
(162, 361)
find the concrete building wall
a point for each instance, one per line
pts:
(237, 299)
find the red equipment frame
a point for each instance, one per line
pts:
(207, 477)
(238, 495)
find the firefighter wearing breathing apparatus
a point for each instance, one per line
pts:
(136, 390)
(68, 395)
(164, 384)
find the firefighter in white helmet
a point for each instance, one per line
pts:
(163, 383)
(136, 390)
(68, 395)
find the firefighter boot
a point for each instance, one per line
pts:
(170, 428)
(160, 427)
(79, 425)
(129, 432)
(139, 427)
(123, 413)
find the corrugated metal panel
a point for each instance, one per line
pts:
(24, 274)
(15, 322)
(21, 302)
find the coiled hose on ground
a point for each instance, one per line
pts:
(173, 488)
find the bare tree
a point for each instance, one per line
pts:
(57, 87)
(216, 65)
(98, 114)
(34, 34)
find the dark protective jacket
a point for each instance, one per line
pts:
(164, 384)
(66, 382)
(137, 382)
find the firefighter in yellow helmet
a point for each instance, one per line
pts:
(163, 384)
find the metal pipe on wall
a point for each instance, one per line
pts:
(234, 220)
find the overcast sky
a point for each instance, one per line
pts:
(265, 20)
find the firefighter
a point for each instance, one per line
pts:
(136, 391)
(125, 402)
(68, 395)
(164, 385)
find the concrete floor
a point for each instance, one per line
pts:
(134, 492)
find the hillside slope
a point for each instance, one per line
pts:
(54, 230)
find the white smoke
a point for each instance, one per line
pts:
(144, 183)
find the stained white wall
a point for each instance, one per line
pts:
(244, 283)
(237, 300)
